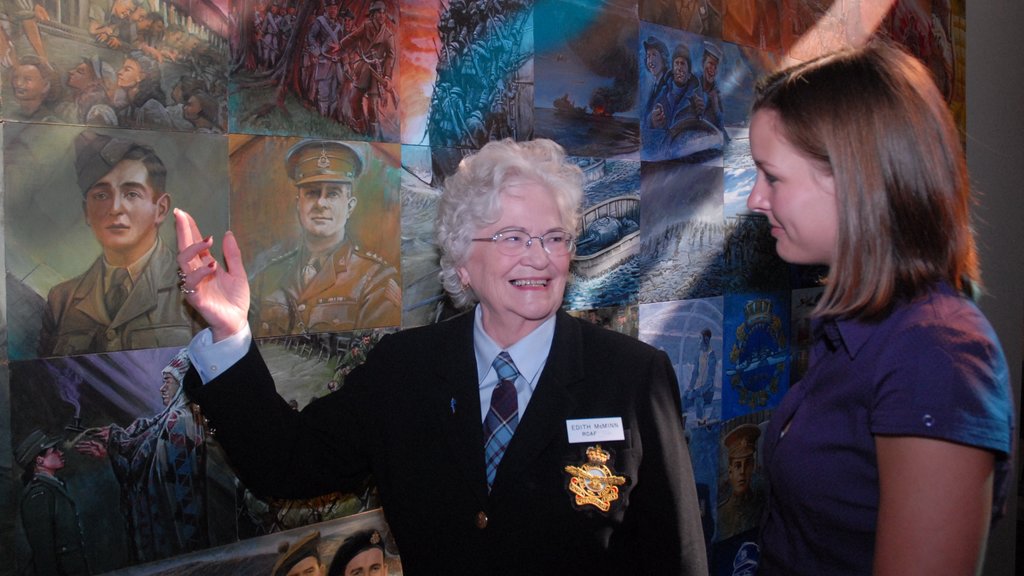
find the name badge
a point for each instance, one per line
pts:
(595, 430)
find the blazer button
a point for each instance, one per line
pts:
(481, 520)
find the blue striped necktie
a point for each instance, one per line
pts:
(503, 416)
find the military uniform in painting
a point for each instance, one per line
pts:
(349, 292)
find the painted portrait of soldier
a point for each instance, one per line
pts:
(90, 253)
(319, 224)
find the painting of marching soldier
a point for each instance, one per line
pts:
(320, 221)
(325, 68)
(115, 63)
(90, 266)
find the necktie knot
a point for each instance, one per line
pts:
(117, 292)
(504, 367)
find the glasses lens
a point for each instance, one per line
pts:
(557, 243)
(512, 242)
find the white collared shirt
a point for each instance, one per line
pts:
(529, 354)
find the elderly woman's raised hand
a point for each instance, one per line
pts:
(219, 293)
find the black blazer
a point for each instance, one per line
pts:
(411, 416)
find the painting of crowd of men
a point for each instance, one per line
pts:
(142, 64)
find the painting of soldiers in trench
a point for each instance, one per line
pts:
(142, 64)
(325, 68)
(90, 241)
(473, 67)
(606, 268)
(318, 224)
(690, 332)
(681, 231)
(585, 66)
(756, 352)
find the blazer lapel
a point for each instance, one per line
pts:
(551, 403)
(461, 423)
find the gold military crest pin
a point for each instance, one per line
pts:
(594, 483)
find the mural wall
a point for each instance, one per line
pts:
(220, 103)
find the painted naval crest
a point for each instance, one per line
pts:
(759, 354)
(594, 483)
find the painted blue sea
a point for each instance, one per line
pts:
(585, 135)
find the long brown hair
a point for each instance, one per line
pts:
(875, 119)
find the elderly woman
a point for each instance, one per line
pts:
(512, 439)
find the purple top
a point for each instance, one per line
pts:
(933, 368)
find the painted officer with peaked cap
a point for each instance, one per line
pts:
(128, 298)
(742, 510)
(48, 513)
(328, 283)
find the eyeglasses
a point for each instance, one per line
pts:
(516, 241)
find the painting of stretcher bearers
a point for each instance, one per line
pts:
(755, 349)
(482, 87)
(750, 261)
(681, 231)
(136, 461)
(318, 224)
(690, 332)
(586, 78)
(324, 68)
(606, 268)
(622, 319)
(702, 17)
(361, 544)
(754, 23)
(90, 249)
(685, 85)
(145, 64)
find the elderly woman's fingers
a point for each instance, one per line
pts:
(233, 255)
(183, 224)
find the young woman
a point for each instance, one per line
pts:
(892, 454)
